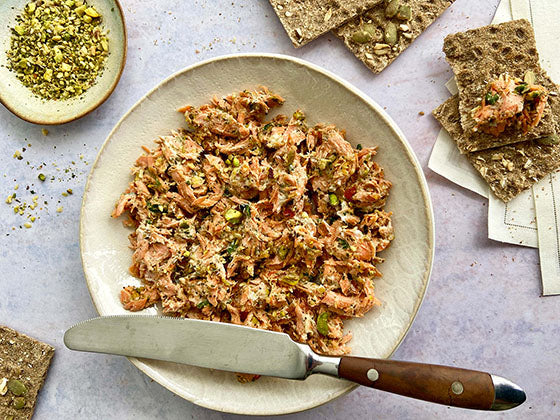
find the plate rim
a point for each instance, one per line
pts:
(428, 208)
(94, 106)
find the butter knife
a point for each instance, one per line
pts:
(243, 349)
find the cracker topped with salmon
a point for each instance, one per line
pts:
(505, 97)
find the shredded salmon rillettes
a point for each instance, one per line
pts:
(270, 224)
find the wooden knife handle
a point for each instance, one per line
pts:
(439, 384)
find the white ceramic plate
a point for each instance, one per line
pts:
(23, 103)
(325, 98)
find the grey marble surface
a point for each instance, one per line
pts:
(483, 308)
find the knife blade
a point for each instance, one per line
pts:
(242, 349)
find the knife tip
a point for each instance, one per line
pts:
(507, 395)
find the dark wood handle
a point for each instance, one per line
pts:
(439, 384)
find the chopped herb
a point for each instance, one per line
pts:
(522, 88)
(359, 146)
(246, 209)
(322, 323)
(343, 243)
(232, 247)
(491, 99)
(156, 208)
(202, 304)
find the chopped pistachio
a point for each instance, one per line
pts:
(235, 162)
(58, 48)
(27, 225)
(59, 210)
(45, 133)
(333, 199)
(90, 11)
(233, 216)
(322, 323)
(42, 177)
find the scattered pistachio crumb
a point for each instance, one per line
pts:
(27, 225)
(42, 177)
(59, 210)
(45, 132)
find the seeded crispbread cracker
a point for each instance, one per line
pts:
(305, 20)
(509, 169)
(375, 53)
(480, 55)
(26, 360)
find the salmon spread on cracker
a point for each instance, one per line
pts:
(511, 102)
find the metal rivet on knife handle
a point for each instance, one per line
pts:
(372, 375)
(457, 388)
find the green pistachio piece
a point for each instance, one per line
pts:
(333, 199)
(90, 11)
(392, 8)
(390, 35)
(19, 29)
(322, 323)
(80, 10)
(233, 216)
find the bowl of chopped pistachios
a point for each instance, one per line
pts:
(59, 59)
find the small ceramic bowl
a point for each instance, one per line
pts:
(26, 105)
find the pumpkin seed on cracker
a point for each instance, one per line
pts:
(399, 22)
(23, 368)
(306, 20)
